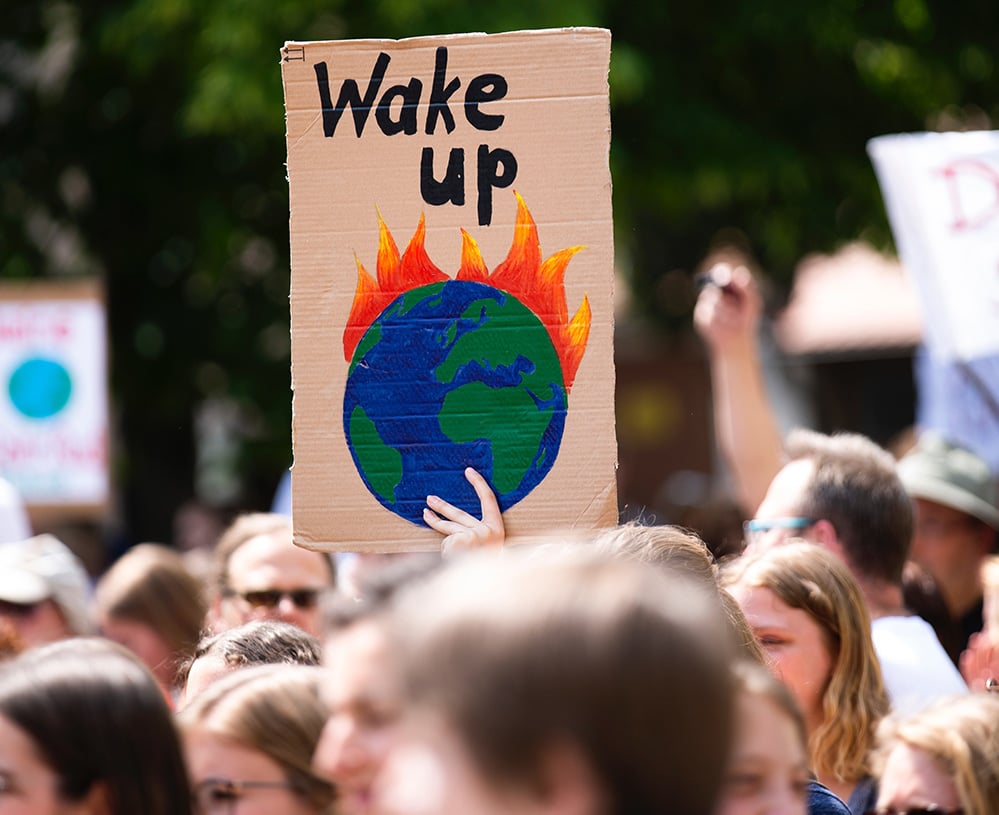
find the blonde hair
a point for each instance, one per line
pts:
(962, 735)
(275, 710)
(810, 578)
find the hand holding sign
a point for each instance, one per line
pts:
(465, 531)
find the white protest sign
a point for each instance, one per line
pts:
(54, 403)
(941, 191)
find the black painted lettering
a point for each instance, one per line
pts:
(410, 97)
(452, 187)
(440, 93)
(349, 95)
(484, 88)
(497, 169)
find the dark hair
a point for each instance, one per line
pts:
(855, 486)
(259, 642)
(97, 716)
(522, 653)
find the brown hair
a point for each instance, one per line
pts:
(854, 486)
(523, 652)
(96, 716)
(662, 545)
(811, 578)
(275, 710)
(258, 642)
(150, 584)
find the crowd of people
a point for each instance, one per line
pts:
(844, 662)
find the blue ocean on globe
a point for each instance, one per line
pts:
(452, 375)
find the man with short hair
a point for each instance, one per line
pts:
(844, 493)
(44, 591)
(262, 575)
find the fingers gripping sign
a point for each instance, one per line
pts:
(464, 531)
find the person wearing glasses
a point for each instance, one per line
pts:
(85, 729)
(842, 492)
(249, 739)
(942, 761)
(260, 574)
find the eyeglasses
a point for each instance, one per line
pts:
(222, 794)
(755, 529)
(270, 598)
(931, 809)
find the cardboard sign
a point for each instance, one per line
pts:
(54, 404)
(452, 274)
(941, 191)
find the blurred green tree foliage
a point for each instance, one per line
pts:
(143, 141)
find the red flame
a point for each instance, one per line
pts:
(539, 285)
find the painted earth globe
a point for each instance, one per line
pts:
(453, 375)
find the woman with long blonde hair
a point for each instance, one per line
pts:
(809, 616)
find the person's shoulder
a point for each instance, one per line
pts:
(821, 801)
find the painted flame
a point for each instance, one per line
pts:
(538, 284)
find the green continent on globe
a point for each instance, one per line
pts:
(453, 375)
(375, 457)
(508, 417)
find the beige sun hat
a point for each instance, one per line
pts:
(937, 470)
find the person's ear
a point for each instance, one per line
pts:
(824, 534)
(569, 785)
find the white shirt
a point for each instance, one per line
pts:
(915, 667)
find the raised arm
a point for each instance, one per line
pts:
(726, 316)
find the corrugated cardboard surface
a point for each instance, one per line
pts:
(557, 125)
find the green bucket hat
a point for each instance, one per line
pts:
(953, 476)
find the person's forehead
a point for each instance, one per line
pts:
(787, 489)
(267, 561)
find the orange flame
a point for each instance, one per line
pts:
(539, 285)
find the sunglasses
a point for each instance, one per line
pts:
(271, 598)
(930, 809)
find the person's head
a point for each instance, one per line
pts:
(84, 728)
(767, 771)
(571, 683)
(44, 590)
(361, 688)
(808, 614)
(262, 574)
(150, 603)
(946, 757)
(250, 738)
(260, 642)
(665, 546)
(955, 496)
(841, 492)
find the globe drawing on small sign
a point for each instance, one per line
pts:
(39, 388)
(473, 371)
